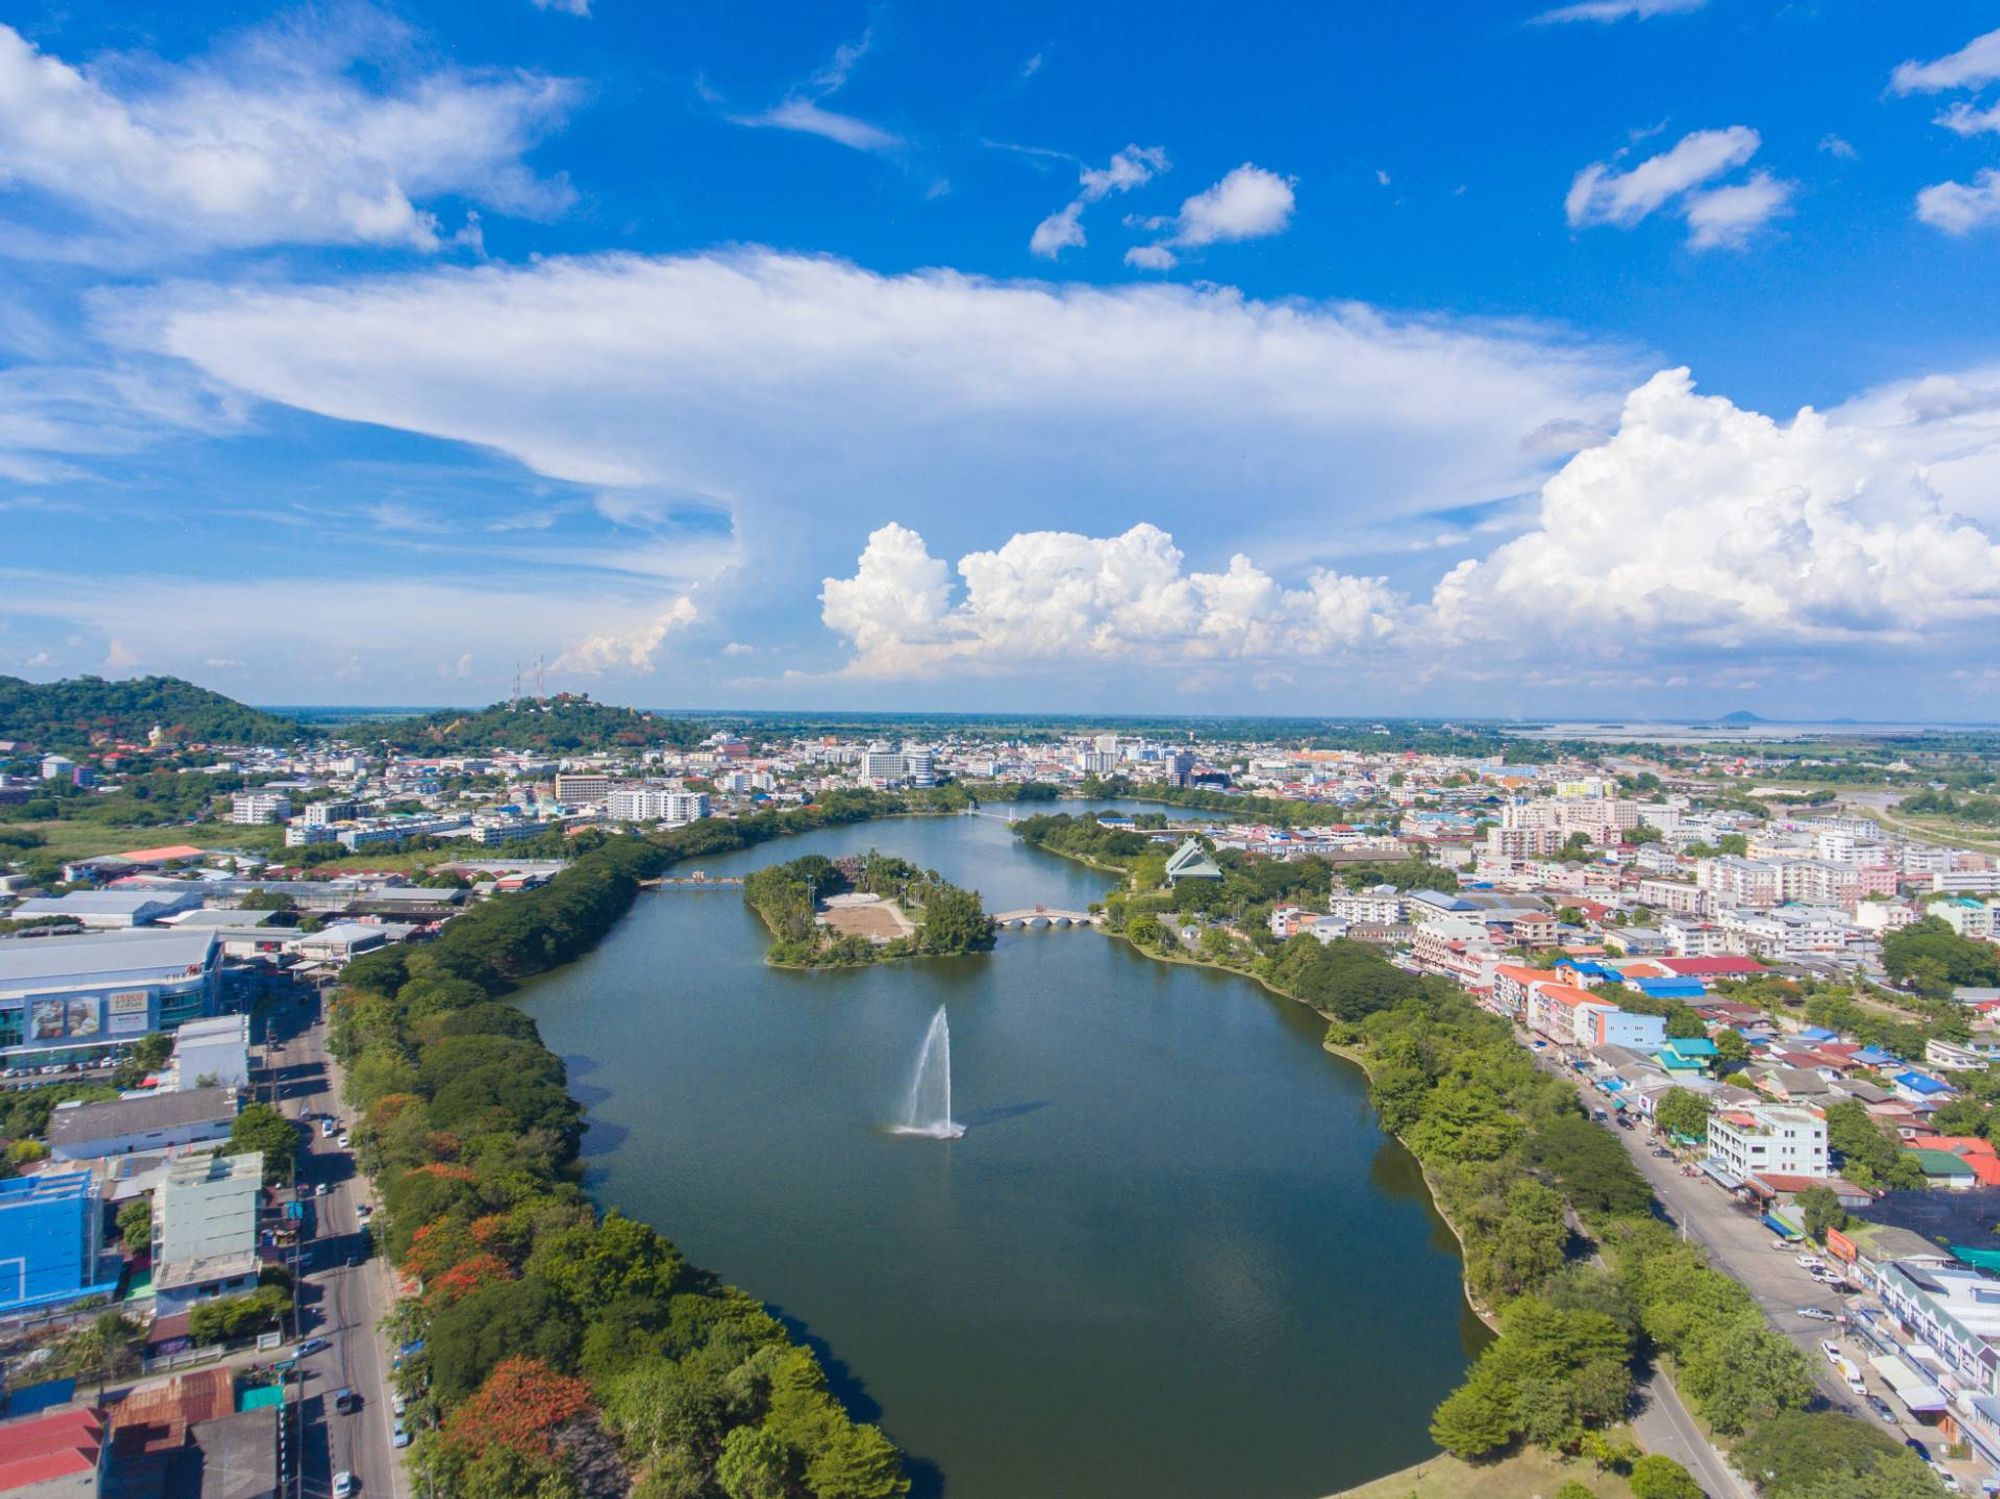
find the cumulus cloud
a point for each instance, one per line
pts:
(1971, 66)
(1059, 596)
(1132, 167)
(1717, 216)
(287, 136)
(1617, 10)
(1960, 207)
(1700, 523)
(630, 651)
(1727, 216)
(1965, 119)
(1248, 203)
(803, 111)
(1601, 194)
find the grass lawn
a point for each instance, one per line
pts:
(1530, 1475)
(87, 840)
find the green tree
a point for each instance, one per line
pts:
(1821, 1209)
(262, 1128)
(1572, 1489)
(1744, 1374)
(135, 1224)
(1657, 1476)
(1821, 1455)
(1731, 1047)
(1475, 1420)
(1682, 1113)
(754, 1465)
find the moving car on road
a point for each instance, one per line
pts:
(343, 1485)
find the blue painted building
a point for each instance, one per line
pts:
(50, 1228)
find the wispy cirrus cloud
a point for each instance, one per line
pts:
(1616, 10)
(803, 109)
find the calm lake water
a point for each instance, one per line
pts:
(1173, 1255)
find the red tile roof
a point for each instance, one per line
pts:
(50, 1447)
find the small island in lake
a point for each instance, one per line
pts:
(871, 908)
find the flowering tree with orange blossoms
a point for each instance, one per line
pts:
(467, 1276)
(520, 1406)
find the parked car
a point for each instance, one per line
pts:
(1663, 1153)
(1818, 1314)
(399, 1405)
(1882, 1409)
(341, 1142)
(399, 1435)
(312, 1345)
(1811, 1262)
(326, 1128)
(343, 1485)
(1917, 1447)
(1947, 1478)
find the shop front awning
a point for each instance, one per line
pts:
(1916, 1392)
(1727, 1180)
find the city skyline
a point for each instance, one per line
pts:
(870, 359)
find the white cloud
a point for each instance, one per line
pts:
(1974, 64)
(1058, 596)
(299, 631)
(1838, 147)
(1132, 167)
(1060, 231)
(1248, 203)
(631, 651)
(1964, 119)
(287, 136)
(1960, 207)
(1702, 524)
(1603, 195)
(801, 109)
(1618, 10)
(566, 7)
(1727, 216)
(739, 648)
(669, 376)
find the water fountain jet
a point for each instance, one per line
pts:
(927, 1110)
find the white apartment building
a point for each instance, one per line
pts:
(1676, 897)
(656, 804)
(1688, 937)
(880, 763)
(1366, 908)
(1748, 884)
(1769, 1138)
(320, 814)
(920, 765)
(253, 808)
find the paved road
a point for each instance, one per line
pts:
(343, 1294)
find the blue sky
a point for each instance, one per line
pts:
(1351, 358)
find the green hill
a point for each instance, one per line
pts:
(70, 713)
(560, 724)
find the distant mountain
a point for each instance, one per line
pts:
(1742, 715)
(566, 723)
(78, 711)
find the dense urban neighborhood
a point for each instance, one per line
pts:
(287, 1196)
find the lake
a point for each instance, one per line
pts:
(1173, 1255)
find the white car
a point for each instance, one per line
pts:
(1831, 1349)
(343, 1485)
(1811, 1262)
(341, 1142)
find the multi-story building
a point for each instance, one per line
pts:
(656, 804)
(51, 1225)
(1769, 1138)
(319, 814)
(255, 808)
(205, 1229)
(1368, 906)
(579, 788)
(82, 996)
(1747, 884)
